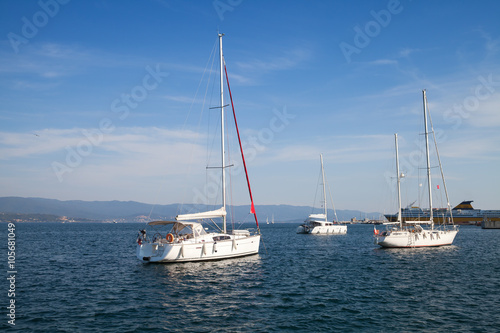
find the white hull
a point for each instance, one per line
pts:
(188, 239)
(422, 238)
(317, 224)
(323, 230)
(198, 249)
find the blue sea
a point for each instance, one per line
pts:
(84, 277)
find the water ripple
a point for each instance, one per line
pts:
(85, 277)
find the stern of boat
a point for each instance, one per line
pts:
(152, 252)
(303, 229)
(144, 251)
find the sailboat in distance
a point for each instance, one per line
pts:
(318, 223)
(188, 240)
(422, 233)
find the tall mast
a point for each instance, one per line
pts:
(324, 189)
(441, 168)
(223, 153)
(428, 158)
(399, 182)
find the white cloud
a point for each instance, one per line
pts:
(290, 59)
(487, 113)
(136, 139)
(384, 62)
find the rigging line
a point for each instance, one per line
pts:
(210, 148)
(331, 199)
(252, 207)
(191, 157)
(216, 225)
(230, 179)
(212, 56)
(228, 152)
(208, 122)
(316, 192)
(439, 161)
(213, 85)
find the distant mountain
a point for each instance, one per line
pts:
(132, 210)
(21, 217)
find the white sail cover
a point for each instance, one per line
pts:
(203, 215)
(317, 216)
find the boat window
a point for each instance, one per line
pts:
(220, 238)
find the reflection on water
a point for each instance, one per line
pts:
(223, 269)
(219, 285)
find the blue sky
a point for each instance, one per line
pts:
(104, 100)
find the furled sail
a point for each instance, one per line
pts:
(202, 215)
(317, 216)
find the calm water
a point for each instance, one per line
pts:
(85, 277)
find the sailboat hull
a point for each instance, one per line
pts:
(423, 238)
(199, 250)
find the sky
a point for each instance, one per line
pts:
(114, 100)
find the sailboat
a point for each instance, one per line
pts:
(318, 223)
(188, 240)
(422, 233)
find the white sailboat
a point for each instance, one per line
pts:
(421, 233)
(318, 223)
(187, 239)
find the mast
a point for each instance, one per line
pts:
(399, 182)
(324, 189)
(428, 158)
(441, 168)
(223, 153)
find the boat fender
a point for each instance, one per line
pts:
(170, 238)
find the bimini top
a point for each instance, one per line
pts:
(196, 227)
(161, 222)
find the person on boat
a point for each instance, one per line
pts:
(141, 236)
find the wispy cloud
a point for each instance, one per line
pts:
(406, 52)
(488, 113)
(472, 148)
(179, 98)
(54, 60)
(492, 45)
(288, 60)
(143, 141)
(383, 62)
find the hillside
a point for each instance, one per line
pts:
(134, 211)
